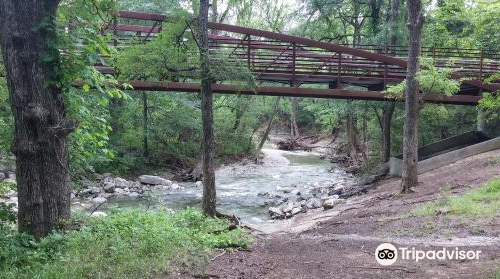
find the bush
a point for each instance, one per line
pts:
(126, 244)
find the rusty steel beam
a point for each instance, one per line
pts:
(310, 43)
(135, 28)
(485, 86)
(293, 92)
(142, 16)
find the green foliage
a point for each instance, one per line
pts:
(5, 186)
(483, 201)
(87, 47)
(491, 101)
(127, 244)
(432, 80)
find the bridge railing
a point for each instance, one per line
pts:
(295, 61)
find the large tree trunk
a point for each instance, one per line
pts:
(209, 196)
(41, 126)
(388, 108)
(410, 140)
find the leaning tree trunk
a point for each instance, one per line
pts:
(41, 125)
(410, 140)
(268, 129)
(209, 196)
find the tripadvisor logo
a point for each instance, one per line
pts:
(387, 254)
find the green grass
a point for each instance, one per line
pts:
(483, 201)
(126, 244)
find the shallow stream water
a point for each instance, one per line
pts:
(238, 185)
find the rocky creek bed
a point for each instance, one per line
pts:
(282, 185)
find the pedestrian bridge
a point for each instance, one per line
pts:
(286, 65)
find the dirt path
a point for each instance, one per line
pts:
(344, 245)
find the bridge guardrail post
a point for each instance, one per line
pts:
(339, 71)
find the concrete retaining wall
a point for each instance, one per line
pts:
(396, 164)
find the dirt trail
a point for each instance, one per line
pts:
(343, 245)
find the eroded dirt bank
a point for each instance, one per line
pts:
(343, 245)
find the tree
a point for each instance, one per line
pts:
(388, 107)
(32, 60)
(410, 138)
(209, 194)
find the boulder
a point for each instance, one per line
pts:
(369, 180)
(99, 200)
(2, 175)
(109, 188)
(331, 203)
(119, 191)
(154, 180)
(287, 207)
(295, 211)
(198, 184)
(133, 195)
(304, 196)
(89, 191)
(313, 203)
(122, 183)
(276, 213)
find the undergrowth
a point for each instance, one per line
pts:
(126, 244)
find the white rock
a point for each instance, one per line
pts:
(134, 195)
(275, 211)
(287, 207)
(109, 187)
(121, 183)
(154, 180)
(119, 191)
(199, 184)
(99, 200)
(313, 203)
(175, 186)
(12, 200)
(296, 210)
(98, 214)
(330, 203)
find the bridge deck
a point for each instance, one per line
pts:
(288, 62)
